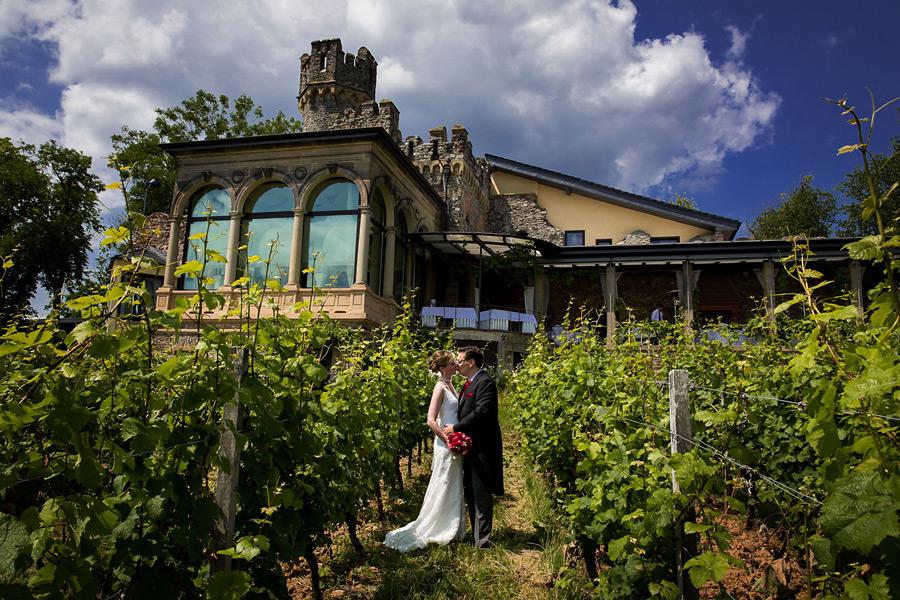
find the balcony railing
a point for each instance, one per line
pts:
(465, 317)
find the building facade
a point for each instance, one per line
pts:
(352, 214)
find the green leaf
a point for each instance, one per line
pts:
(844, 313)
(88, 471)
(868, 248)
(690, 527)
(13, 535)
(228, 585)
(665, 590)
(878, 589)
(191, 267)
(617, 547)
(708, 566)
(115, 236)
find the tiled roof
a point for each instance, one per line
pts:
(614, 196)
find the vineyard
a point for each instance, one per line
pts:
(116, 439)
(111, 446)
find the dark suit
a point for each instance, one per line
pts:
(483, 465)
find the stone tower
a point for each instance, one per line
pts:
(337, 91)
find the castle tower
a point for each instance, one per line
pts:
(334, 86)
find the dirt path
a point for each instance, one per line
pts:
(521, 563)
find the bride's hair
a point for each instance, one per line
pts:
(441, 358)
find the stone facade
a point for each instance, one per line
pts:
(468, 178)
(519, 214)
(337, 91)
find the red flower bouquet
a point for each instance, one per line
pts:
(459, 443)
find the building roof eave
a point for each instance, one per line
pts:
(618, 197)
(376, 135)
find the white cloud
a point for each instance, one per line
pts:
(570, 89)
(738, 43)
(21, 122)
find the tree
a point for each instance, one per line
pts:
(678, 199)
(22, 188)
(48, 212)
(855, 189)
(804, 210)
(204, 116)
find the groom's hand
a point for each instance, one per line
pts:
(448, 429)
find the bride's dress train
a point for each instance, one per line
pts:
(443, 515)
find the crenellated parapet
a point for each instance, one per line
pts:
(468, 178)
(337, 91)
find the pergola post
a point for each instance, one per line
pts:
(611, 296)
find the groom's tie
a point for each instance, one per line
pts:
(462, 393)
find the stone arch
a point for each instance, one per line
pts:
(331, 172)
(184, 193)
(254, 181)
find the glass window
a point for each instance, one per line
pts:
(375, 272)
(331, 232)
(209, 216)
(266, 231)
(575, 238)
(670, 239)
(400, 258)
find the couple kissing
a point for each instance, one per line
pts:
(458, 482)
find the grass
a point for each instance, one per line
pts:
(528, 556)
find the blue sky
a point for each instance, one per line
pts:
(719, 101)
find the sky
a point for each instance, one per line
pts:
(717, 101)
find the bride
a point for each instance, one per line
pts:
(443, 515)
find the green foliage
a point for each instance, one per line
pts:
(679, 199)
(110, 444)
(803, 210)
(798, 426)
(48, 212)
(204, 116)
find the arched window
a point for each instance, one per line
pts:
(208, 216)
(375, 273)
(331, 233)
(266, 230)
(400, 249)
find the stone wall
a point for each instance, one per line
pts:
(337, 91)
(155, 235)
(518, 214)
(469, 179)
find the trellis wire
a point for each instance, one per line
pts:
(792, 402)
(797, 494)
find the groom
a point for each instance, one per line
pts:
(483, 465)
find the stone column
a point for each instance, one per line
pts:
(296, 248)
(362, 246)
(231, 252)
(390, 243)
(172, 253)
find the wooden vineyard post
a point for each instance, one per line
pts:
(680, 426)
(227, 482)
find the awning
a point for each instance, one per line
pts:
(473, 244)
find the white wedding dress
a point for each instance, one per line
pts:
(443, 515)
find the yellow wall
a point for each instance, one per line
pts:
(598, 219)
